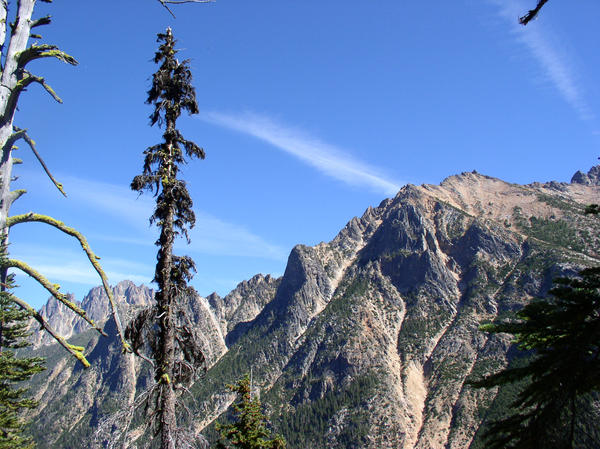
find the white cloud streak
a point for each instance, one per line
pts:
(60, 264)
(210, 235)
(327, 158)
(214, 236)
(558, 68)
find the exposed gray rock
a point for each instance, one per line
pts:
(244, 302)
(128, 297)
(592, 178)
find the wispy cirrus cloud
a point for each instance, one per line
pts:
(557, 66)
(120, 215)
(212, 235)
(325, 157)
(67, 265)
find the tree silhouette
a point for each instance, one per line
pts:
(175, 352)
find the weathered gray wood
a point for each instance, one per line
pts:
(14, 78)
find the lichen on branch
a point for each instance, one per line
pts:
(53, 289)
(22, 134)
(92, 257)
(75, 351)
(44, 51)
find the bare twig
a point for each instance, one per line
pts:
(143, 357)
(115, 428)
(179, 2)
(31, 78)
(31, 217)
(75, 351)
(52, 288)
(532, 13)
(23, 135)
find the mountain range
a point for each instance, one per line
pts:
(367, 341)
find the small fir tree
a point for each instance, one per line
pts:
(250, 430)
(176, 355)
(14, 370)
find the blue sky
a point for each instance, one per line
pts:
(310, 112)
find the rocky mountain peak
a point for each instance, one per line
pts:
(127, 295)
(244, 302)
(592, 178)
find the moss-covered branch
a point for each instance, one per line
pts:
(75, 351)
(15, 195)
(52, 289)
(44, 51)
(31, 217)
(13, 138)
(23, 135)
(30, 78)
(46, 20)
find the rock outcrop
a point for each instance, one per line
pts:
(592, 178)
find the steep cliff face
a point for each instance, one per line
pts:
(243, 303)
(367, 341)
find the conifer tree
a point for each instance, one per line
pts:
(175, 354)
(13, 370)
(249, 431)
(553, 409)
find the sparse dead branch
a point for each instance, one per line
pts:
(29, 78)
(52, 289)
(165, 3)
(23, 135)
(75, 351)
(532, 13)
(32, 217)
(44, 51)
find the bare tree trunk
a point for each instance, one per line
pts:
(166, 340)
(165, 302)
(177, 356)
(15, 55)
(8, 103)
(9, 94)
